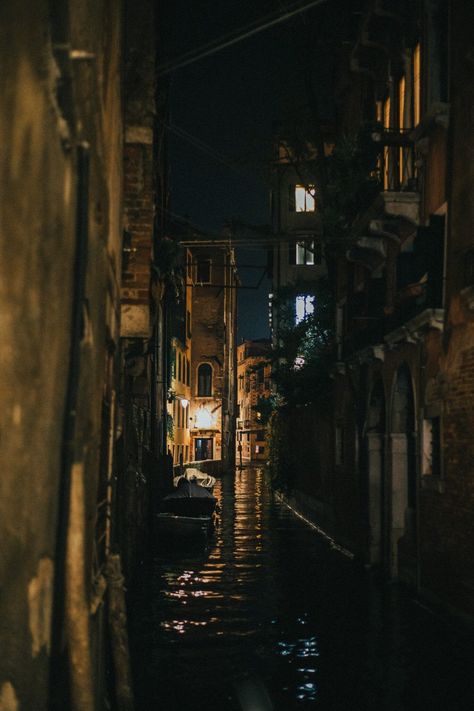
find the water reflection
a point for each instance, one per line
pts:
(271, 615)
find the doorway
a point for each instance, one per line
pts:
(203, 448)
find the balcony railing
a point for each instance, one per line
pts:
(396, 166)
(419, 274)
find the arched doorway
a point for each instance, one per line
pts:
(403, 524)
(375, 447)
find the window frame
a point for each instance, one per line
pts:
(204, 260)
(198, 380)
(308, 195)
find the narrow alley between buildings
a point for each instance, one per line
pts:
(273, 616)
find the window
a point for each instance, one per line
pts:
(304, 306)
(204, 380)
(203, 273)
(188, 372)
(306, 252)
(188, 324)
(386, 150)
(401, 124)
(259, 449)
(304, 198)
(417, 85)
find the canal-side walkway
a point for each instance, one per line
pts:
(271, 615)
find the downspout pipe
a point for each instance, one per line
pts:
(61, 607)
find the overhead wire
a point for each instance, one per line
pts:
(228, 40)
(214, 154)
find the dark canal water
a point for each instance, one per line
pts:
(271, 617)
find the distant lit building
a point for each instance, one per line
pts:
(213, 276)
(297, 259)
(253, 383)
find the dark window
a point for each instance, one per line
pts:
(203, 275)
(204, 380)
(188, 324)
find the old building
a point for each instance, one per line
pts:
(253, 384)
(298, 259)
(179, 393)
(394, 481)
(213, 355)
(391, 294)
(78, 419)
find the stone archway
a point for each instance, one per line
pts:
(403, 509)
(375, 444)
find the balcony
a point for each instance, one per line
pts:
(398, 173)
(418, 302)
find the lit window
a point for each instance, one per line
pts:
(416, 84)
(204, 380)
(304, 199)
(401, 123)
(305, 253)
(386, 150)
(304, 307)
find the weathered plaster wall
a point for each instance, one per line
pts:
(36, 258)
(38, 174)
(447, 531)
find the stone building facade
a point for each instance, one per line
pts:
(394, 484)
(253, 383)
(74, 379)
(213, 355)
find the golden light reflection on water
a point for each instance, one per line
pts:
(219, 596)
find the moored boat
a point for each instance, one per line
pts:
(189, 511)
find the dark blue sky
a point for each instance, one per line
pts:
(230, 101)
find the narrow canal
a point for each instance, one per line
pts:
(271, 617)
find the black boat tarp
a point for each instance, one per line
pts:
(189, 499)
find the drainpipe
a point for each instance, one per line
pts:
(70, 612)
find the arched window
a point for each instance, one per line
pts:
(204, 380)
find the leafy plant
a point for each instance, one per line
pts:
(170, 427)
(302, 357)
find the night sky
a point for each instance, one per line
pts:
(229, 101)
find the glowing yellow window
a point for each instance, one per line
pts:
(417, 84)
(401, 123)
(386, 150)
(304, 198)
